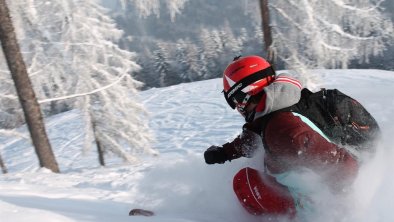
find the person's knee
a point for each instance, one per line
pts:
(260, 193)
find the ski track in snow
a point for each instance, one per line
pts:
(178, 185)
(193, 123)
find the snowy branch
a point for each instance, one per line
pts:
(328, 34)
(341, 4)
(84, 94)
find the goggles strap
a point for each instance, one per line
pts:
(243, 103)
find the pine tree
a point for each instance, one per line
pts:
(149, 7)
(74, 61)
(212, 49)
(327, 34)
(25, 91)
(162, 67)
(182, 64)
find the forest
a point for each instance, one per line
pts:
(209, 34)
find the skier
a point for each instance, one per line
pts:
(290, 140)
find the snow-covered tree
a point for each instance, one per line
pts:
(212, 49)
(149, 7)
(73, 60)
(187, 57)
(25, 91)
(328, 34)
(164, 73)
(11, 114)
(182, 64)
(218, 47)
(231, 44)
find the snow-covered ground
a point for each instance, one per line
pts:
(177, 184)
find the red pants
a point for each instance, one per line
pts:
(260, 193)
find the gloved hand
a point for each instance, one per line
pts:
(215, 154)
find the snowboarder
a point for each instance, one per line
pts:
(295, 133)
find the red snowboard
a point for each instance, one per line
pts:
(260, 193)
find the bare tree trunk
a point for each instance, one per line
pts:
(25, 91)
(267, 33)
(100, 150)
(2, 166)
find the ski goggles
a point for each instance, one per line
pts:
(235, 97)
(242, 103)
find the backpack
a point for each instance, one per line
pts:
(341, 118)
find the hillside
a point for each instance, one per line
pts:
(177, 184)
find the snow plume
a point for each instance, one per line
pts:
(373, 188)
(370, 199)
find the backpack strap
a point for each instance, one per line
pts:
(329, 99)
(258, 125)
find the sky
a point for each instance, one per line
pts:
(177, 184)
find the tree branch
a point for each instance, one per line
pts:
(83, 94)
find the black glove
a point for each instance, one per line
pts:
(215, 154)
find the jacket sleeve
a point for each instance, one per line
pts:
(243, 145)
(292, 143)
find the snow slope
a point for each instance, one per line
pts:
(177, 184)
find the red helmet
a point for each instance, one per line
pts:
(245, 77)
